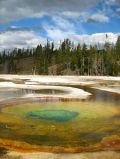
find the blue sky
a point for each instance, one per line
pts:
(26, 23)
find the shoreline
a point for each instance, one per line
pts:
(45, 155)
(51, 78)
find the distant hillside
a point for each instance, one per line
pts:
(26, 65)
(68, 59)
(21, 66)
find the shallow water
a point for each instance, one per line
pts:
(102, 96)
(71, 126)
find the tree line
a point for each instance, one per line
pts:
(77, 59)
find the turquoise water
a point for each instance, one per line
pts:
(53, 115)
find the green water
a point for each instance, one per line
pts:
(52, 115)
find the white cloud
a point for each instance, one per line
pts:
(98, 17)
(104, 37)
(62, 23)
(110, 2)
(71, 14)
(98, 38)
(16, 9)
(118, 11)
(29, 39)
(56, 35)
(88, 16)
(19, 39)
(13, 27)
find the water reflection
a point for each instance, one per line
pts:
(48, 91)
(101, 96)
(97, 95)
(9, 93)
